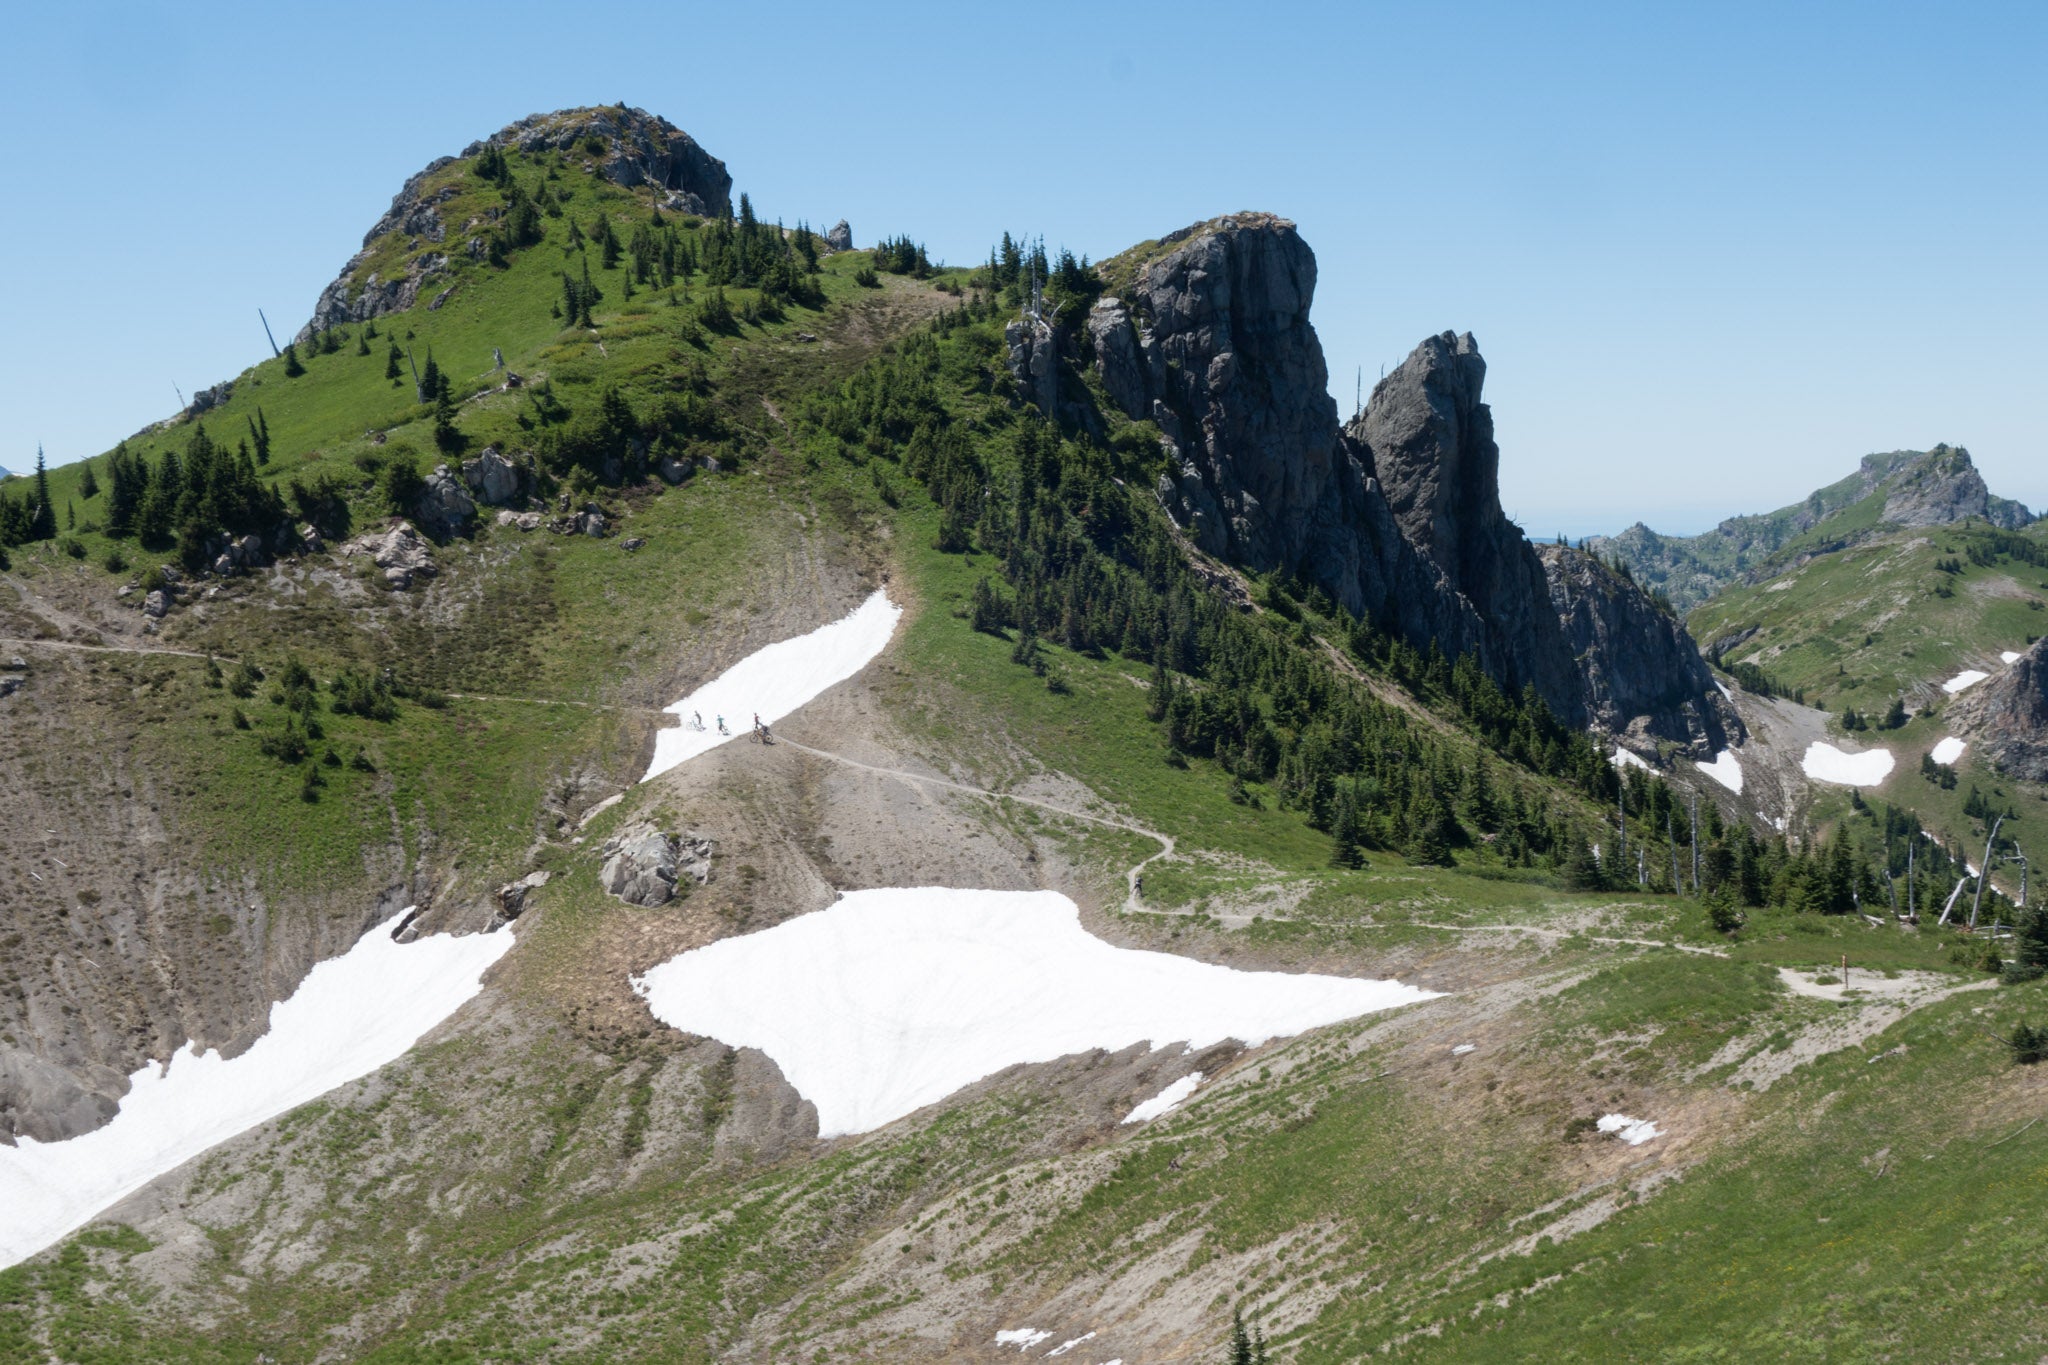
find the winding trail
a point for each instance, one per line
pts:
(1131, 902)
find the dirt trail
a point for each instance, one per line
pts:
(1166, 841)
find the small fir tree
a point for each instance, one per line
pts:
(292, 368)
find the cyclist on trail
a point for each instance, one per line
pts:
(698, 717)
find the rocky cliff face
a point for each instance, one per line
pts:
(2006, 716)
(1396, 515)
(1945, 487)
(629, 147)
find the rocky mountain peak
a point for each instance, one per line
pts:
(401, 253)
(1397, 516)
(1941, 487)
(630, 147)
(1433, 451)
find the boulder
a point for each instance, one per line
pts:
(839, 237)
(672, 470)
(400, 551)
(10, 684)
(309, 536)
(632, 543)
(224, 565)
(157, 604)
(640, 866)
(512, 898)
(444, 506)
(525, 521)
(491, 477)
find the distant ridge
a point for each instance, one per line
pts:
(1937, 487)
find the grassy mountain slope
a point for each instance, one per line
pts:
(555, 1177)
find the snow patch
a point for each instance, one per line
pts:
(1463, 1048)
(1969, 677)
(1724, 689)
(1725, 769)
(1949, 750)
(1164, 1102)
(2009, 656)
(1067, 1346)
(775, 681)
(1023, 1338)
(894, 998)
(1626, 758)
(1635, 1132)
(351, 1015)
(1826, 763)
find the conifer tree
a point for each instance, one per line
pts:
(43, 518)
(392, 371)
(363, 342)
(292, 368)
(88, 485)
(430, 379)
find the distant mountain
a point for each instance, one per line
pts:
(1900, 488)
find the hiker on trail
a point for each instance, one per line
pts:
(1138, 886)
(721, 726)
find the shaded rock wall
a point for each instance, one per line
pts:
(1397, 515)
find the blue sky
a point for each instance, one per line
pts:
(1712, 255)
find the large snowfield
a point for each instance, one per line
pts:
(1969, 677)
(1826, 763)
(351, 1015)
(1948, 750)
(892, 999)
(775, 681)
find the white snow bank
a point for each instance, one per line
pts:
(1023, 1338)
(1724, 689)
(775, 681)
(1969, 677)
(1627, 758)
(2009, 656)
(1463, 1048)
(1725, 769)
(1635, 1132)
(1166, 1100)
(1067, 1346)
(1949, 750)
(351, 1015)
(894, 998)
(1826, 763)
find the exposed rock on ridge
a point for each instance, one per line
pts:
(639, 149)
(1398, 514)
(2006, 716)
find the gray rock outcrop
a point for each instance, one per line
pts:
(493, 479)
(839, 237)
(444, 506)
(1943, 488)
(639, 149)
(1033, 359)
(399, 550)
(643, 865)
(2006, 716)
(1397, 514)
